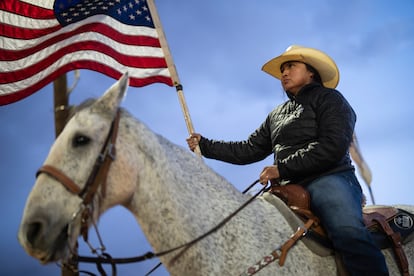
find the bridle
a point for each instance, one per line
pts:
(96, 178)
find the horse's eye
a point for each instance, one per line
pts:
(80, 140)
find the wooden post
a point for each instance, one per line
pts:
(61, 104)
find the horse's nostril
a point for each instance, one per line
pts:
(33, 232)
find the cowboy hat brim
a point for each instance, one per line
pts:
(325, 66)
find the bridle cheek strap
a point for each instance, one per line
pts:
(96, 178)
(102, 164)
(98, 174)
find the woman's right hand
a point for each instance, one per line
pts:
(269, 173)
(193, 141)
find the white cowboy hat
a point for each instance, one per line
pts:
(325, 66)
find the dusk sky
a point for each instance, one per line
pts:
(219, 48)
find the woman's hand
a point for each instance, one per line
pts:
(269, 173)
(193, 141)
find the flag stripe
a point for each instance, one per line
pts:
(133, 44)
(27, 9)
(35, 49)
(21, 33)
(27, 21)
(35, 83)
(98, 23)
(50, 55)
(92, 60)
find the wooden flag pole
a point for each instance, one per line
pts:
(172, 69)
(363, 168)
(61, 104)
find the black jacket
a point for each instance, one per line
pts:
(309, 135)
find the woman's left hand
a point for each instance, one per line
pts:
(269, 173)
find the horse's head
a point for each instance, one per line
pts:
(51, 221)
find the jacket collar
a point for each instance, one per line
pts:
(303, 91)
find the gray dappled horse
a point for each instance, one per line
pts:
(173, 195)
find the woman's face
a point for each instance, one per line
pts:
(295, 75)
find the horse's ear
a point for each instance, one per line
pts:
(112, 98)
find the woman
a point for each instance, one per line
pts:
(310, 135)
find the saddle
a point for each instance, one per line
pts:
(391, 227)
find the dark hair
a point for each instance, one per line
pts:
(316, 77)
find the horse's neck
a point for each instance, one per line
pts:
(175, 189)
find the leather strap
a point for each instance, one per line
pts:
(61, 177)
(274, 255)
(101, 167)
(395, 238)
(293, 239)
(96, 178)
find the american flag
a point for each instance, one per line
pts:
(43, 39)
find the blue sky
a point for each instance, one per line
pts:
(218, 48)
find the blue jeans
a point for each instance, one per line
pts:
(336, 200)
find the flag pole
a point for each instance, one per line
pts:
(172, 69)
(363, 168)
